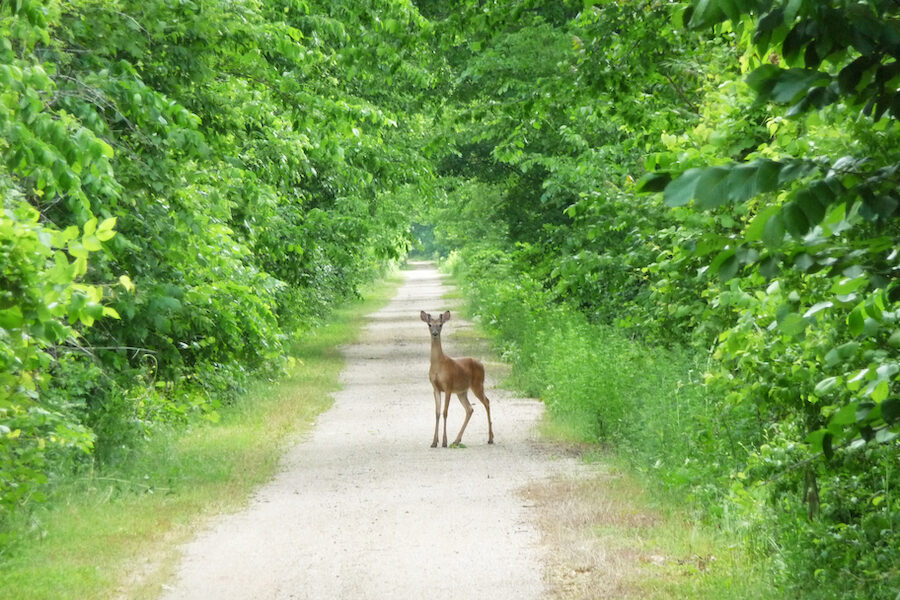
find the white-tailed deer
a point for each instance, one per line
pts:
(453, 376)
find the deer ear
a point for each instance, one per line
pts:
(424, 316)
(445, 317)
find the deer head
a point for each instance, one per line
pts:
(435, 325)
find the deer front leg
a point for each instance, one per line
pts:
(446, 408)
(463, 398)
(437, 416)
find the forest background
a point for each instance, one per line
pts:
(678, 219)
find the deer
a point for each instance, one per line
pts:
(453, 376)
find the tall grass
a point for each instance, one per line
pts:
(646, 403)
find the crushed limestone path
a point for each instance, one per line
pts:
(365, 509)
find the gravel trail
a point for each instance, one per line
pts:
(365, 509)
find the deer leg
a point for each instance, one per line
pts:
(437, 416)
(487, 408)
(463, 398)
(479, 391)
(446, 408)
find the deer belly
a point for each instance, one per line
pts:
(455, 385)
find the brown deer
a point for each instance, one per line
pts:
(453, 376)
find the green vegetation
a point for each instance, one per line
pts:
(119, 530)
(187, 187)
(679, 219)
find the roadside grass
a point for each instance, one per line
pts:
(610, 535)
(116, 534)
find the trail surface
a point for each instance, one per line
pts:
(365, 509)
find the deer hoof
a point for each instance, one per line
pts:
(491, 441)
(434, 445)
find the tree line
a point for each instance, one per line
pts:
(187, 186)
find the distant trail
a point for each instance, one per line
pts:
(364, 509)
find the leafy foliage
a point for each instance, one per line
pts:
(726, 184)
(697, 199)
(186, 185)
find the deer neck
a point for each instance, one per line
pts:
(436, 352)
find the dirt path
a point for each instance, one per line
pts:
(364, 508)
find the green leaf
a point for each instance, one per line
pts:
(720, 259)
(653, 182)
(769, 267)
(845, 416)
(94, 310)
(867, 411)
(791, 83)
(681, 191)
(709, 192)
(890, 410)
(842, 353)
(850, 76)
(77, 250)
(767, 175)
(792, 324)
(848, 285)
(107, 224)
(763, 79)
(731, 9)
(774, 230)
(856, 321)
(795, 40)
(791, 10)
(881, 391)
(125, 280)
(741, 184)
(91, 243)
(106, 235)
(706, 13)
(107, 149)
(90, 227)
(804, 262)
(764, 28)
(886, 435)
(826, 385)
(795, 169)
(757, 226)
(11, 318)
(818, 307)
(813, 209)
(816, 438)
(795, 220)
(881, 206)
(894, 339)
(729, 268)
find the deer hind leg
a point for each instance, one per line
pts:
(463, 398)
(478, 388)
(437, 416)
(446, 408)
